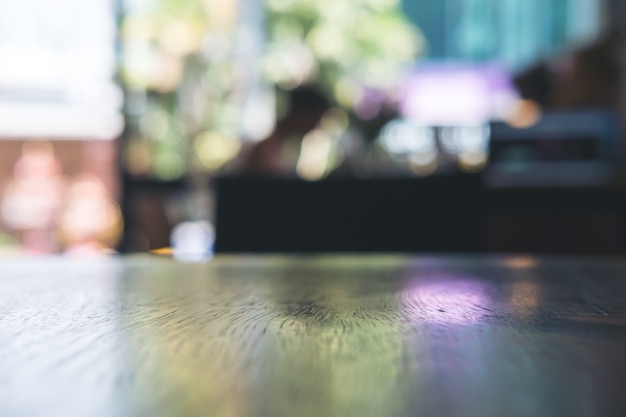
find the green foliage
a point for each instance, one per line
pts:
(184, 54)
(341, 46)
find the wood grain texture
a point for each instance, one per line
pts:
(313, 336)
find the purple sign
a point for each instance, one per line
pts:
(457, 94)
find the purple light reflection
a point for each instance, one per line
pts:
(446, 301)
(370, 104)
(457, 94)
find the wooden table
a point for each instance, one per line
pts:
(313, 336)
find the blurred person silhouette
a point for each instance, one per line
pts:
(91, 221)
(588, 77)
(593, 76)
(277, 154)
(33, 198)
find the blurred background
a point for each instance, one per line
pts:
(116, 117)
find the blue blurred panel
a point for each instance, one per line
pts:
(514, 32)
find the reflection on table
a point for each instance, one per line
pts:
(309, 336)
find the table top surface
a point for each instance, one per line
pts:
(313, 336)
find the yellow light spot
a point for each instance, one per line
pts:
(215, 149)
(314, 155)
(163, 251)
(347, 92)
(473, 161)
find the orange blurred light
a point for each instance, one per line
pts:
(526, 114)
